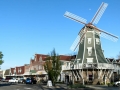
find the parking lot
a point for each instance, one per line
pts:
(8, 86)
(18, 86)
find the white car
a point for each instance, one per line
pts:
(117, 83)
(14, 80)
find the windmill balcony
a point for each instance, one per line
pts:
(105, 66)
(116, 69)
(97, 66)
(68, 67)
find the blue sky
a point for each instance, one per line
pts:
(37, 26)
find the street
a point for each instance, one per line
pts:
(8, 86)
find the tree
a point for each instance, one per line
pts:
(53, 66)
(1, 56)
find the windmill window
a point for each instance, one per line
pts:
(97, 41)
(89, 40)
(89, 60)
(78, 59)
(89, 51)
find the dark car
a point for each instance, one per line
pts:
(30, 81)
(21, 80)
(5, 80)
(1, 78)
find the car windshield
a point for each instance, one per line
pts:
(28, 78)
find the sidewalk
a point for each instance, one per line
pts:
(89, 87)
(57, 87)
(62, 87)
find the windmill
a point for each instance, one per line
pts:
(90, 54)
(96, 32)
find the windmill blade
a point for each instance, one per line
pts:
(75, 17)
(107, 35)
(79, 39)
(99, 13)
(75, 43)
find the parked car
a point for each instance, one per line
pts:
(14, 80)
(5, 80)
(21, 80)
(1, 78)
(117, 83)
(30, 81)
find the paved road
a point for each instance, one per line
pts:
(7, 86)
(102, 87)
(19, 87)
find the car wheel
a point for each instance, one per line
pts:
(118, 84)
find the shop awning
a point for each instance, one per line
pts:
(41, 72)
(27, 73)
(33, 72)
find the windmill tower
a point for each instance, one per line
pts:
(90, 61)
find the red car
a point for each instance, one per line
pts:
(5, 80)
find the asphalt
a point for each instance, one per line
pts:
(8, 86)
(88, 87)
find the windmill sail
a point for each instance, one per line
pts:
(79, 39)
(75, 17)
(75, 43)
(99, 13)
(107, 35)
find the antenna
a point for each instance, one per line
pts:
(99, 13)
(75, 17)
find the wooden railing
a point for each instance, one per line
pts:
(81, 66)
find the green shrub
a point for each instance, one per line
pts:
(77, 81)
(103, 83)
(110, 84)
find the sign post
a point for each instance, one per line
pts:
(49, 83)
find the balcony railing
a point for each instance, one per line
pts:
(88, 65)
